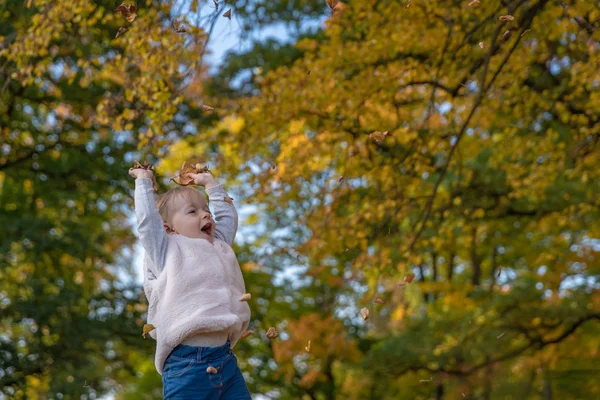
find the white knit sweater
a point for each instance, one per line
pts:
(192, 286)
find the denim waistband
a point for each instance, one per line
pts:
(199, 353)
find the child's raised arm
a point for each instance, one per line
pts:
(225, 214)
(150, 224)
(226, 217)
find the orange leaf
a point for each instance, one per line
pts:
(364, 313)
(147, 328)
(272, 333)
(227, 14)
(332, 3)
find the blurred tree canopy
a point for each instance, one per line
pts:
(456, 141)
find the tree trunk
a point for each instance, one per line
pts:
(475, 259)
(450, 266)
(547, 386)
(434, 273)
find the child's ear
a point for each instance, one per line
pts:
(168, 228)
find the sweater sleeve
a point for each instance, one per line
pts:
(226, 217)
(150, 225)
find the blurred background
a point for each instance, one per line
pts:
(435, 163)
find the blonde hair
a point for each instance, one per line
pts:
(164, 202)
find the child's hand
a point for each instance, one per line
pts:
(204, 179)
(141, 173)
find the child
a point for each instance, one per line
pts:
(193, 283)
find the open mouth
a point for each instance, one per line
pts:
(207, 228)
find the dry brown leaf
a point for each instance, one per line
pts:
(525, 31)
(272, 333)
(506, 34)
(379, 301)
(178, 27)
(481, 44)
(211, 370)
(246, 334)
(364, 313)
(216, 5)
(207, 108)
(474, 3)
(500, 335)
(227, 14)
(409, 278)
(129, 11)
(121, 31)
(341, 178)
(332, 3)
(183, 179)
(506, 18)
(246, 297)
(147, 328)
(407, 4)
(307, 347)
(378, 136)
(228, 199)
(28, 3)
(499, 270)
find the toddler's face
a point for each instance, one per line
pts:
(192, 219)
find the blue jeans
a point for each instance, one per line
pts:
(185, 376)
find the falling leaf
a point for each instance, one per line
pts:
(481, 44)
(505, 35)
(341, 178)
(500, 335)
(409, 278)
(307, 72)
(121, 31)
(211, 370)
(378, 136)
(407, 4)
(525, 31)
(332, 3)
(227, 14)
(426, 380)
(246, 297)
(28, 3)
(474, 3)
(463, 395)
(364, 313)
(228, 199)
(246, 334)
(178, 28)
(378, 301)
(499, 270)
(127, 11)
(346, 250)
(147, 328)
(307, 347)
(207, 108)
(272, 333)
(506, 18)
(216, 5)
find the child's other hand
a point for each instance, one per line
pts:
(203, 179)
(141, 173)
